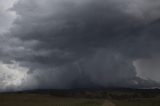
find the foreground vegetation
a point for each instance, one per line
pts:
(45, 100)
(136, 97)
(120, 97)
(138, 102)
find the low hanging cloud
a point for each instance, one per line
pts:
(81, 43)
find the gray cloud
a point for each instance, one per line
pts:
(87, 43)
(7, 16)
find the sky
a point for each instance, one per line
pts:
(69, 44)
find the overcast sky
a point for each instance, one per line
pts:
(64, 44)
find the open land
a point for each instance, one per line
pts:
(109, 97)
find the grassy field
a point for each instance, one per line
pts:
(138, 102)
(82, 98)
(45, 100)
(135, 98)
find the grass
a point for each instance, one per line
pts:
(138, 102)
(45, 100)
(82, 98)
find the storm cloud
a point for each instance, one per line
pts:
(65, 44)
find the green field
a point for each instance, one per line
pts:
(143, 102)
(45, 100)
(82, 98)
(135, 98)
(138, 102)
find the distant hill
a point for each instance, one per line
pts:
(115, 93)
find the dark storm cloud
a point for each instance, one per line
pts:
(87, 43)
(74, 29)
